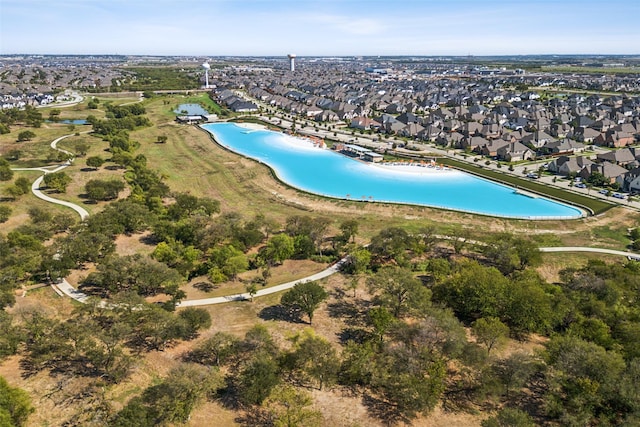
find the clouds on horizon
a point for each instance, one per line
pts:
(309, 27)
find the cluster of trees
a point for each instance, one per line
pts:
(156, 78)
(23, 256)
(585, 372)
(29, 116)
(103, 344)
(119, 117)
(260, 375)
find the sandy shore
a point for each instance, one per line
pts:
(404, 167)
(251, 126)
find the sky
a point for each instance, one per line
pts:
(319, 27)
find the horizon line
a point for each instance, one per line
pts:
(284, 55)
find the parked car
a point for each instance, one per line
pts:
(618, 196)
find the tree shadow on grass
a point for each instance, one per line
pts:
(384, 411)
(350, 311)
(357, 335)
(278, 312)
(254, 417)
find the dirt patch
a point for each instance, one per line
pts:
(134, 244)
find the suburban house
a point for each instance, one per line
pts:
(563, 146)
(364, 123)
(620, 157)
(565, 165)
(514, 152)
(615, 139)
(612, 173)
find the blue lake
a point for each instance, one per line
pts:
(191, 110)
(298, 163)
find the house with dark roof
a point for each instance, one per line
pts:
(611, 172)
(565, 165)
(515, 152)
(620, 157)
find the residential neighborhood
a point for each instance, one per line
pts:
(504, 115)
(580, 124)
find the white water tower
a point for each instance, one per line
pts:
(292, 61)
(206, 67)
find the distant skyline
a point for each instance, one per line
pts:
(319, 27)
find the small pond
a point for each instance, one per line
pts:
(69, 121)
(191, 110)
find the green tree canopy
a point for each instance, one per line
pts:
(15, 405)
(304, 298)
(398, 290)
(57, 181)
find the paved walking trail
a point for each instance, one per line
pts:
(272, 290)
(35, 187)
(585, 249)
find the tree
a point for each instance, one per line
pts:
(10, 335)
(509, 417)
(15, 405)
(473, 291)
(6, 174)
(391, 244)
(195, 319)
(54, 114)
(490, 331)
(313, 357)
(252, 289)
(23, 184)
(26, 135)
(279, 248)
(411, 380)
(349, 229)
(381, 320)
(398, 290)
(95, 162)
(357, 262)
(81, 148)
(235, 265)
(97, 189)
(584, 380)
(172, 400)
(257, 379)
(459, 238)
(57, 181)
(162, 139)
(13, 155)
(5, 213)
(216, 350)
(304, 297)
(514, 371)
(509, 253)
(288, 407)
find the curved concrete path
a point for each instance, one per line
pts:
(262, 292)
(35, 187)
(586, 249)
